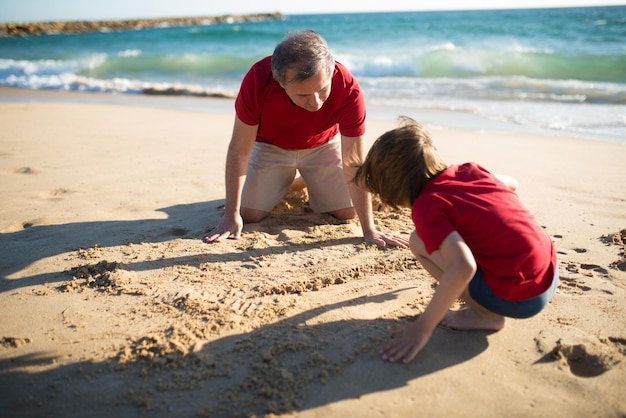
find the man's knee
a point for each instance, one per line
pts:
(344, 214)
(253, 215)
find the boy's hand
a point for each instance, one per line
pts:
(384, 239)
(408, 342)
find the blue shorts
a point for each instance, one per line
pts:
(481, 293)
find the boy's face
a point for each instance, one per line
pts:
(309, 94)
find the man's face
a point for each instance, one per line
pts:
(309, 94)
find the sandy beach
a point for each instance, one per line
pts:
(113, 306)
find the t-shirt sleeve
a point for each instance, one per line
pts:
(247, 104)
(432, 225)
(352, 121)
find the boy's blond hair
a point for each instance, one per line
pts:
(399, 164)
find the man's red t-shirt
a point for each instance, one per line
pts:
(261, 100)
(516, 255)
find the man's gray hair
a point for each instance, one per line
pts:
(304, 52)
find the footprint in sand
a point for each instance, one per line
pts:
(594, 267)
(588, 359)
(174, 232)
(584, 355)
(586, 269)
(20, 226)
(14, 342)
(573, 285)
(24, 170)
(58, 194)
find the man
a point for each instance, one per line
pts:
(289, 110)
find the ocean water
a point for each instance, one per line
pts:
(541, 70)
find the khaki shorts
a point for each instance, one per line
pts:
(271, 171)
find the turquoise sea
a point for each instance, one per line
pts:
(541, 70)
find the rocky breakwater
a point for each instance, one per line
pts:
(42, 28)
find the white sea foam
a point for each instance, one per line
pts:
(130, 53)
(517, 68)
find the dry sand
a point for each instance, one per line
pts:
(113, 306)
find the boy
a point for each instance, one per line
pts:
(472, 234)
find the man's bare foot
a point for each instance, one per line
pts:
(468, 319)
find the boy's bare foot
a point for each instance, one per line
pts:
(468, 319)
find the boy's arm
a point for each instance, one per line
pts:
(458, 267)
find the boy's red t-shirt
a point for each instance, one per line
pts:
(515, 253)
(262, 100)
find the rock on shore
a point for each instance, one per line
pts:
(41, 28)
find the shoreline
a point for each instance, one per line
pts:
(440, 118)
(191, 103)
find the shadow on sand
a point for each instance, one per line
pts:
(284, 367)
(22, 248)
(294, 363)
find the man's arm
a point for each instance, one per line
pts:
(353, 155)
(241, 143)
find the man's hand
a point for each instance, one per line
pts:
(229, 227)
(385, 238)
